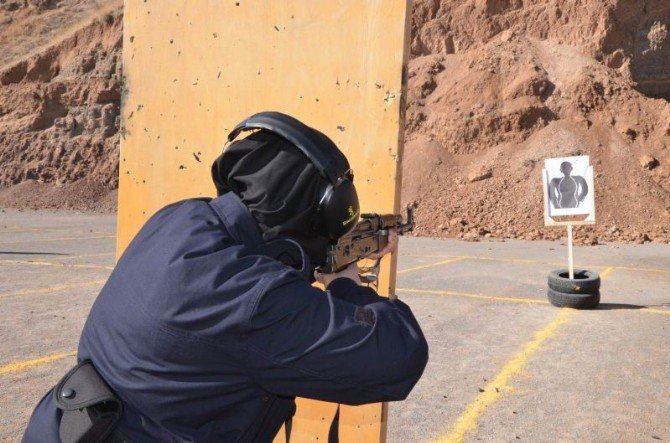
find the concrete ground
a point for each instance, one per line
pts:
(504, 364)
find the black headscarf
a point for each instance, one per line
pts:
(278, 184)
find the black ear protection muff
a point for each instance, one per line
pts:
(337, 204)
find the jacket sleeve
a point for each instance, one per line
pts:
(345, 344)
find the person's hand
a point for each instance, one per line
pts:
(390, 247)
(351, 272)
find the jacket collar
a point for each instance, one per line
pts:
(242, 227)
(237, 219)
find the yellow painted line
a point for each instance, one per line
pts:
(515, 260)
(525, 260)
(47, 263)
(27, 364)
(607, 271)
(51, 289)
(468, 420)
(61, 229)
(474, 257)
(56, 239)
(70, 257)
(494, 389)
(509, 299)
(474, 295)
(99, 254)
(431, 265)
(531, 261)
(22, 230)
(655, 311)
(425, 255)
(503, 260)
(626, 268)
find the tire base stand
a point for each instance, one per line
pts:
(583, 281)
(574, 301)
(573, 289)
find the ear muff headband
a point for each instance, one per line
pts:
(337, 207)
(331, 166)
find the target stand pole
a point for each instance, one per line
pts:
(571, 266)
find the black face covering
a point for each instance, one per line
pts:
(278, 184)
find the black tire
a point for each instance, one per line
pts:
(575, 301)
(585, 282)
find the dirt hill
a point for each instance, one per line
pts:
(495, 86)
(59, 103)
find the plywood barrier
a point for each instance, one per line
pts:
(193, 69)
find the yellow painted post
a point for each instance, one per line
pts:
(193, 69)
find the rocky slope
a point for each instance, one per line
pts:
(495, 86)
(59, 107)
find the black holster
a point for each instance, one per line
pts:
(90, 408)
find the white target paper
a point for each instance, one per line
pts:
(569, 186)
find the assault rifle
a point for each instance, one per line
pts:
(369, 236)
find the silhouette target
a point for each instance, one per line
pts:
(567, 191)
(569, 186)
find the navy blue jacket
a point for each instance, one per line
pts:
(204, 337)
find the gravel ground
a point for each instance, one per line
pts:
(504, 365)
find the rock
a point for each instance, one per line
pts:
(14, 74)
(11, 5)
(427, 87)
(648, 162)
(110, 94)
(457, 222)
(108, 114)
(43, 67)
(471, 236)
(70, 123)
(87, 64)
(480, 175)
